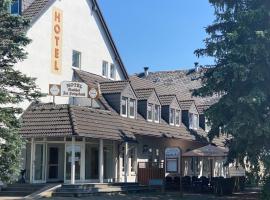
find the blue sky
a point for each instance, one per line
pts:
(160, 34)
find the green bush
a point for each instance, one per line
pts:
(266, 189)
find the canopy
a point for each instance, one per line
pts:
(207, 151)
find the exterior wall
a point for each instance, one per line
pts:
(175, 104)
(162, 144)
(153, 99)
(82, 31)
(193, 109)
(165, 113)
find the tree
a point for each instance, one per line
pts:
(239, 41)
(15, 88)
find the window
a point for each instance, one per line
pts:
(112, 71)
(76, 59)
(15, 7)
(132, 108)
(105, 69)
(124, 106)
(157, 111)
(193, 121)
(172, 116)
(177, 117)
(150, 112)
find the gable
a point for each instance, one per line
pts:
(175, 104)
(128, 92)
(83, 30)
(193, 109)
(153, 99)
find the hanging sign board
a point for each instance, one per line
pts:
(236, 171)
(172, 159)
(54, 89)
(74, 89)
(93, 93)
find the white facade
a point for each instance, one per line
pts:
(82, 31)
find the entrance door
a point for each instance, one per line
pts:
(39, 163)
(53, 164)
(77, 162)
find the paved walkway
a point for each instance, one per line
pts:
(248, 195)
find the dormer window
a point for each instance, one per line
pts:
(157, 113)
(124, 103)
(177, 117)
(150, 112)
(172, 116)
(193, 121)
(132, 107)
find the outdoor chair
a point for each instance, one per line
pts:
(205, 184)
(186, 183)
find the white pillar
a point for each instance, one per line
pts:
(101, 161)
(115, 163)
(126, 162)
(32, 160)
(72, 181)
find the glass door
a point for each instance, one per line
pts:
(39, 163)
(77, 162)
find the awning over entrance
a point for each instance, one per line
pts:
(207, 151)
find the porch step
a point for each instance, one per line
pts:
(97, 189)
(20, 190)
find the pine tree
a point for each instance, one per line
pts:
(239, 41)
(15, 88)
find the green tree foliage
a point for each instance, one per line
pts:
(15, 88)
(239, 41)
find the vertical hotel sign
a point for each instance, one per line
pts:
(57, 31)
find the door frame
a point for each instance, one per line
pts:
(44, 161)
(52, 145)
(82, 160)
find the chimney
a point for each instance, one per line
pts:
(146, 71)
(197, 67)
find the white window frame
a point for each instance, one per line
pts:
(106, 65)
(130, 116)
(148, 105)
(126, 108)
(193, 124)
(80, 59)
(158, 111)
(172, 111)
(112, 76)
(178, 122)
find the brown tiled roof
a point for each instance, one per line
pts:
(66, 120)
(89, 78)
(113, 87)
(166, 99)
(46, 120)
(185, 105)
(202, 108)
(184, 81)
(144, 94)
(35, 8)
